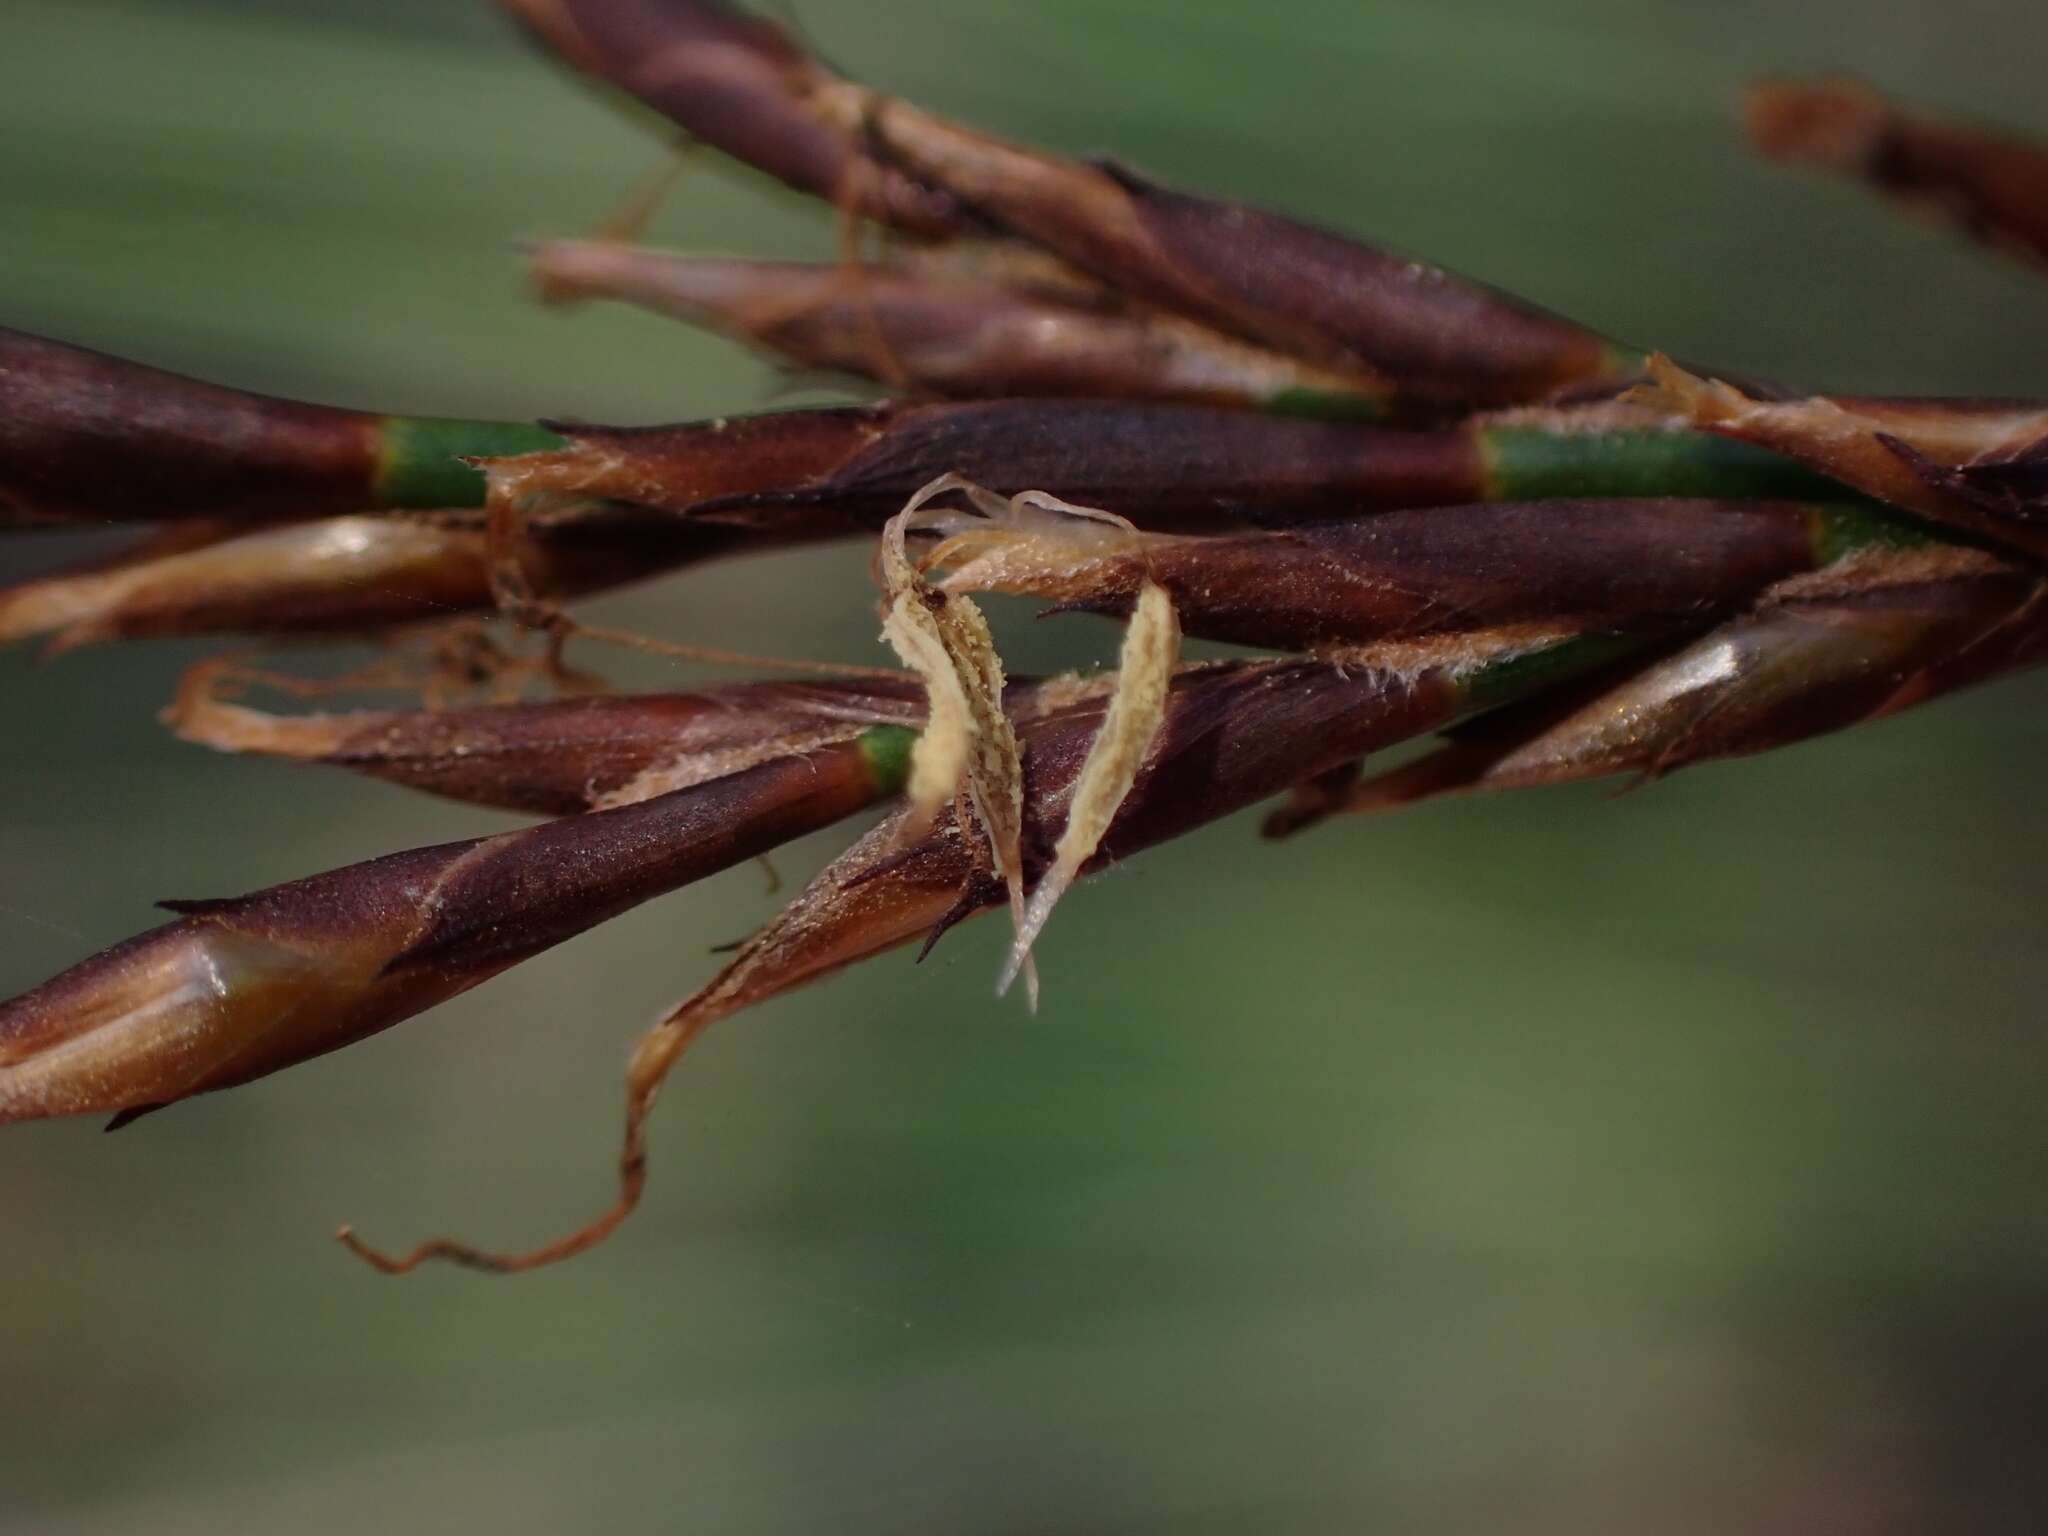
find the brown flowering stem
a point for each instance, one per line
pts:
(1977, 466)
(953, 338)
(555, 757)
(1817, 654)
(1253, 273)
(238, 989)
(743, 85)
(1555, 567)
(359, 575)
(1991, 185)
(85, 437)
(1233, 733)
(738, 83)
(1163, 466)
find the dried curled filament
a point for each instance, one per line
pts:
(845, 914)
(1230, 734)
(526, 506)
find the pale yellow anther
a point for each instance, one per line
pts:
(946, 641)
(941, 635)
(1131, 724)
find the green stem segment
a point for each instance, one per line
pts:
(1515, 676)
(1327, 404)
(1845, 528)
(1534, 463)
(885, 750)
(422, 460)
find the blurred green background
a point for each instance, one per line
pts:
(1559, 1163)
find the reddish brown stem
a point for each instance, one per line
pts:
(563, 756)
(237, 989)
(1992, 185)
(738, 83)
